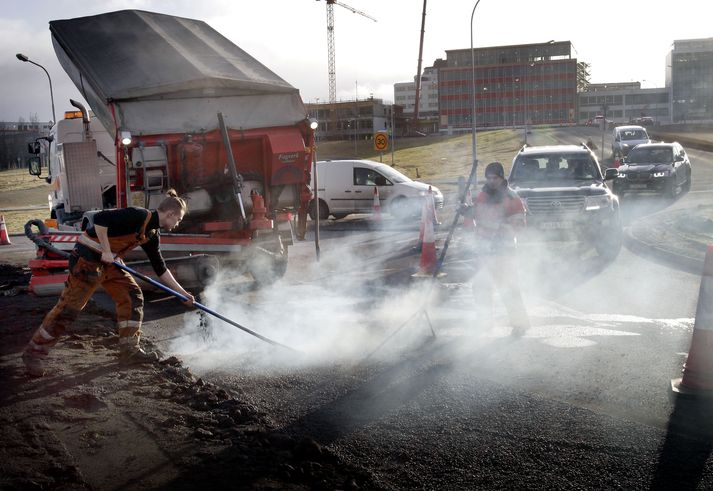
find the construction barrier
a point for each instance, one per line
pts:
(697, 377)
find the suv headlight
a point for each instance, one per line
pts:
(660, 174)
(599, 202)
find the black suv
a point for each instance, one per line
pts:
(659, 167)
(566, 196)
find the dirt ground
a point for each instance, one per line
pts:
(93, 424)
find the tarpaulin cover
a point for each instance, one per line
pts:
(167, 74)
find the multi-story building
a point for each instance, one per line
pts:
(358, 119)
(405, 96)
(624, 102)
(689, 74)
(514, 85)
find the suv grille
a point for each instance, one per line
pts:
(638, 176)
(555, 204)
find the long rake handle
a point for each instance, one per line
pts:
(198, 305)
(461, 201)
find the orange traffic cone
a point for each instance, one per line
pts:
(425, 216)
(428, 262)
(377, 205)
(698, 370)
(4, 237)
(468, 222)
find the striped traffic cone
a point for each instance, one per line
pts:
(4, 237)
(697, 377)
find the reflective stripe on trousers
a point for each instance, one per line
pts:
(84, 278)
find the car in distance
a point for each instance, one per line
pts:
(627, 137)
(347, 186)
(655, 167)
(566, 197)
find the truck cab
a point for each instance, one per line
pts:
(81, 163)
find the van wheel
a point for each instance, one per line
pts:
(323, 211)
(399, 208)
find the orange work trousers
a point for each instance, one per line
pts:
(85, 276)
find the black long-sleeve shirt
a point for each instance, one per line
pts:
(126, 221)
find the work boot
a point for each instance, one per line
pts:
(131, 355)
(33, 364)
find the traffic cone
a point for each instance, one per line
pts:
(468, 222)
(697, 377)
(4, 237)
(428, 262)
(425, 216)
(377, 205)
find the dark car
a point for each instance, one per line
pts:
(566, 197)
(655, 167)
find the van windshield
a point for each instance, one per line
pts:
(392, 174)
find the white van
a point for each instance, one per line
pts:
(347, 186)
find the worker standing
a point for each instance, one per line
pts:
(114, 234)
(499, 214)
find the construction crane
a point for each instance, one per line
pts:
(330, 44)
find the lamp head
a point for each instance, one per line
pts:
(125, 138)
(313, 124)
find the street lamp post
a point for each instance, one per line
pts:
(25, 59)
(313, 124)
(472, 92)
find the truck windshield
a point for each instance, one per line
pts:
(549, 167)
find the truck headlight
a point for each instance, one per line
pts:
(592, 203)
(660, 174)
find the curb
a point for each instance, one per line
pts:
(646, 249)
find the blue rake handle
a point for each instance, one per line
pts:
(198, 305)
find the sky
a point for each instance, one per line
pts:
(622, 40)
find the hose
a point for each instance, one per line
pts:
(39, 241)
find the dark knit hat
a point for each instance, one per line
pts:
(495, 168)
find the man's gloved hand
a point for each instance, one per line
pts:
(466, 210)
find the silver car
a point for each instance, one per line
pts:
(626, 138)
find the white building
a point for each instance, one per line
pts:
(405, 95)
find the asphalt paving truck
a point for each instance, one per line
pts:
(186, 109)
